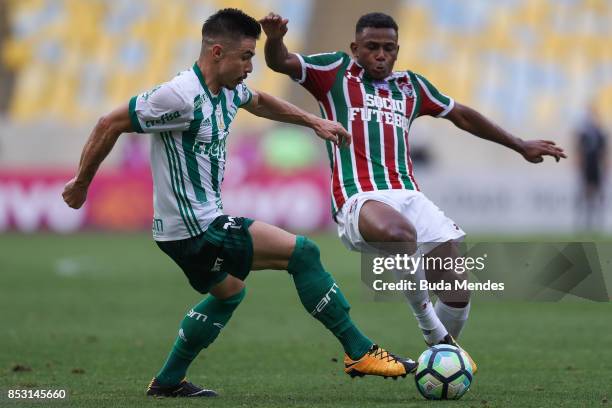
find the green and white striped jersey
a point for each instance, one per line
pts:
(190, 127)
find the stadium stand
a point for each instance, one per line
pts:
(529, 62)
(75, 58)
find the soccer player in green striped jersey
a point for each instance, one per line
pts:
(189, 119)
(375, 196)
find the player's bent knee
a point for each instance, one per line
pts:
(305, 257)
(404, 233)
(310, 249)
(399, 233)
(228, 304)
(228, 288)
(234, 300)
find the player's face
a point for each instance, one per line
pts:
(237, 63)
(375, 49)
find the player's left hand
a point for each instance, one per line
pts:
(74, 194)
(332, 131)
(534, 150)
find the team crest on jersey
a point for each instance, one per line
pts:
(407, 89)
(219, 116)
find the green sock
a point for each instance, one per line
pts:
(199, 329)
(323, 299)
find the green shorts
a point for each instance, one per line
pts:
(224, 248)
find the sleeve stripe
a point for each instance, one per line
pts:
(446, 107)
(328, 67)
(249, 98)
(306, 65)
(322, 53)
(303, 64)
(133, 117)
(450, 107)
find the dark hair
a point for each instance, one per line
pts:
(231, 22)
(375, 20)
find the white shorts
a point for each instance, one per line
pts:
(431, 225)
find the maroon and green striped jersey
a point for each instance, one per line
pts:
(378, 113)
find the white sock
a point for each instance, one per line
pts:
(429, 322)
(453, 318)
(433, 329)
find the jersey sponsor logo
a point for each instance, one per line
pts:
(389, 118)
(389, 110)
(165, 118)
(375, 101)
(214, 149)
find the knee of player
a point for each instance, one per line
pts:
(404, 233)
(310, 249)
(237, 298)
(305, 254)
(231, 301)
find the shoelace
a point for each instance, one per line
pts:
(384, 354)
(184, 382)
(190, 388)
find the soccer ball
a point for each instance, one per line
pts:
(444, 372)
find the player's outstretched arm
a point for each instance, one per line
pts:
(270, 107)
(471, 121)
(101, 141)
(278, 57)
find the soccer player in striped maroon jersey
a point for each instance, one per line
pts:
(375, 197)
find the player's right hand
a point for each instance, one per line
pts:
(332, 131)
(74, 194)
(274, 26)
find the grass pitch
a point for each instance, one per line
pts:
(97, 314)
